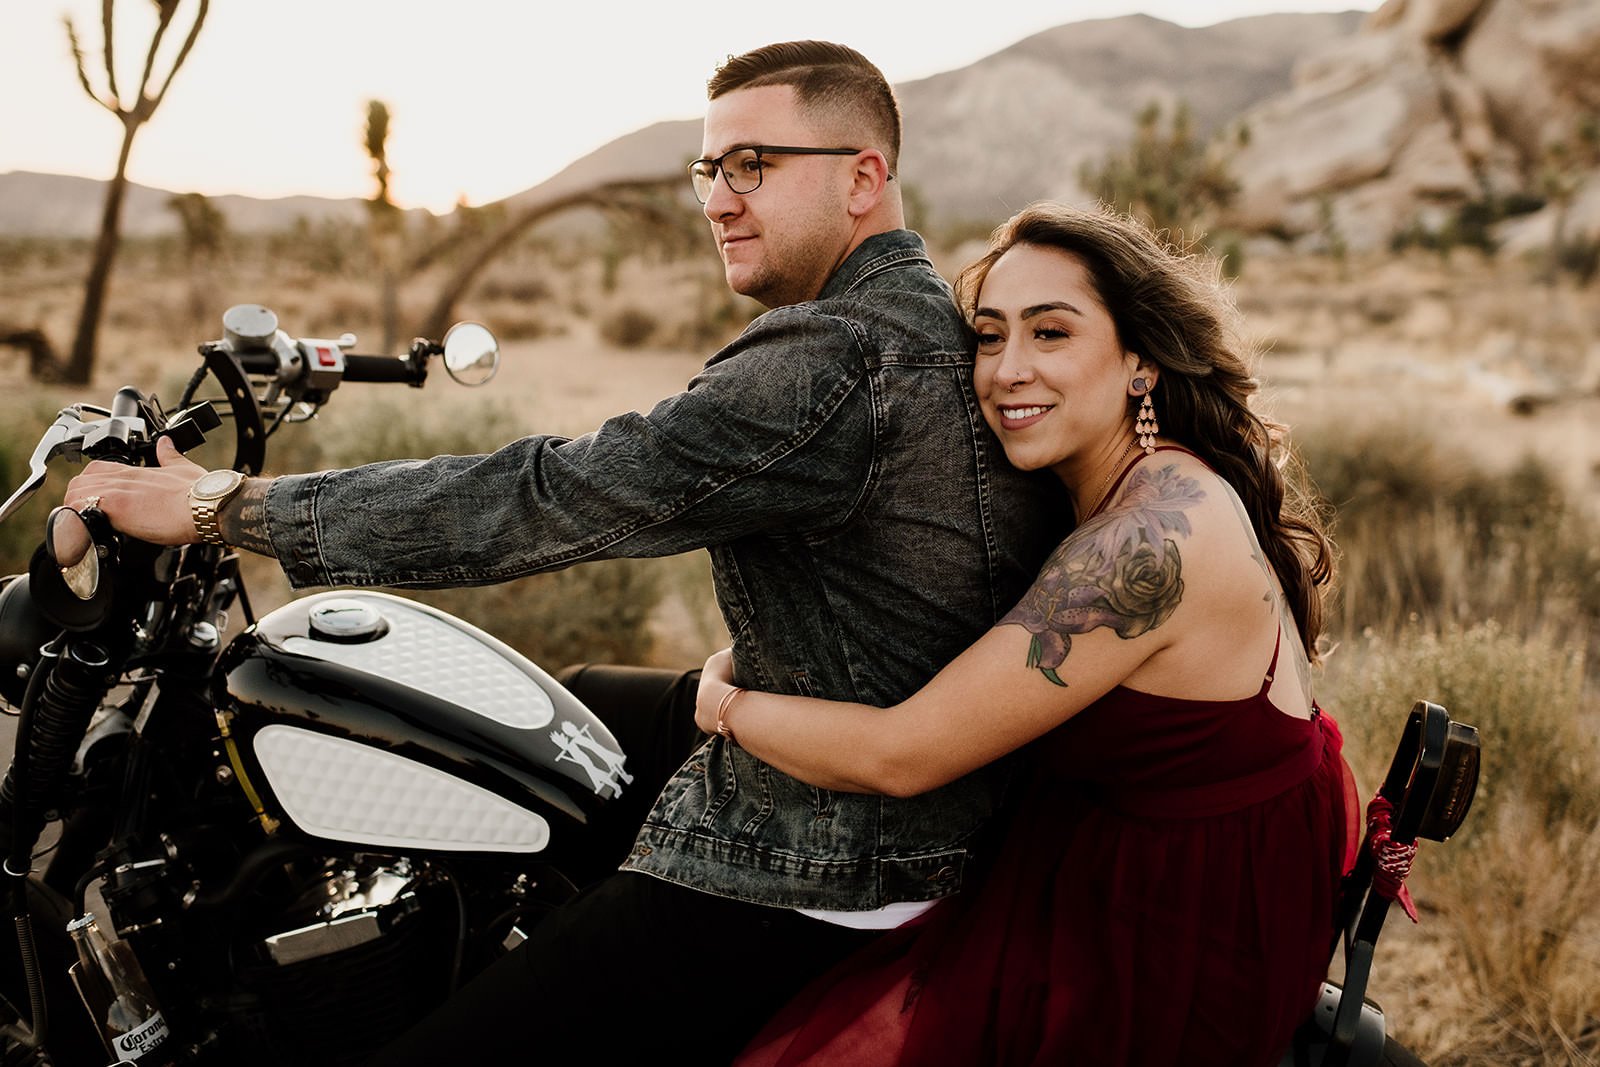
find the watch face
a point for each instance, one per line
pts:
(215, 483)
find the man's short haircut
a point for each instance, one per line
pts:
(832, 83)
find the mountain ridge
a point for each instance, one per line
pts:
(1090, 77)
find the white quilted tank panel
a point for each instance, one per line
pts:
(432, 656)
(348, 791)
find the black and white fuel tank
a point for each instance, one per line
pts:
(369, 719)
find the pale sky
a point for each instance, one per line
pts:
(488, 97)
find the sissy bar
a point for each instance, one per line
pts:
(1426, 794)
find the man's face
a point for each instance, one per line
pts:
(780, 242)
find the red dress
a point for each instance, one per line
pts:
(1164, 894)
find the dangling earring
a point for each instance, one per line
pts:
(1145, 425)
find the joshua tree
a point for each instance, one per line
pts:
(1171, 178)
(148, 97)
(204, 227)
(384, 220)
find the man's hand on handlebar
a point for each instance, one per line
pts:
(150, 503)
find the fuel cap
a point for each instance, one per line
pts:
(347, 620)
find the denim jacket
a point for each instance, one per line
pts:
(863, 524)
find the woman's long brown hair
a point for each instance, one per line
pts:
(1171, 307)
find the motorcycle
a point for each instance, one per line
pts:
(305, 837)
(288, 846)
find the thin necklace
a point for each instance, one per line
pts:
(1112, 473)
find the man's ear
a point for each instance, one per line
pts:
(868, 181)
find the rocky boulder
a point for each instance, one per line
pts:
(1432, 106)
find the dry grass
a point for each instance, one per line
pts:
(1506, 967)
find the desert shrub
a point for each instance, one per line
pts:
(519, 324)
(1424, 532)
(1580, 257)
(1515, 897)
(522, 288)
(595, 612)
(1169, 176)
(628, 327)
(1471, 225)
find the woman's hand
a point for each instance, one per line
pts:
(716, 680)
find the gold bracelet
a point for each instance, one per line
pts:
(723, 729)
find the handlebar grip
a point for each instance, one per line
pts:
(378, 369)
(125, 404)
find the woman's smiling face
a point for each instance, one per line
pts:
(1051, 374)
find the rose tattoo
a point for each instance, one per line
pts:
(1120, 570)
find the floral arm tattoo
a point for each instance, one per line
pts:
(1120, 570)
(243, 520)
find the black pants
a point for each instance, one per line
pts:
(635, 969)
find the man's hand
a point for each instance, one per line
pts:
(150, 503)
(716, 679)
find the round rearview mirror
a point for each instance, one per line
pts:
(471, 354)
(70, 545)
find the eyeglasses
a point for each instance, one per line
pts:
(742, 167)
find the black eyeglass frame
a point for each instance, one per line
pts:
(761, 172)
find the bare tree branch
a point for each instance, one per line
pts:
(80, 362)
(626, 195)
(143, 105)
(105, 34)
(183, 53)
(83, 75)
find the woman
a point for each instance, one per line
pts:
(1164, 890)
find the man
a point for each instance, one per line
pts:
(863, 528)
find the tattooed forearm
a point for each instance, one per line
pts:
(243, 520)
(1120, 570)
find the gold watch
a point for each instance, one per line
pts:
(207, 495)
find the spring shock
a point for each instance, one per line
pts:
(51, 731)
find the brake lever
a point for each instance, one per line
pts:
(62, 438)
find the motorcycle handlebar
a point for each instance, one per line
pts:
(380, 369)
(356, 368)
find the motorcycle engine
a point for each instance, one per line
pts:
(359, 956)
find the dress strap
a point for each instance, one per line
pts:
(1272, 668)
